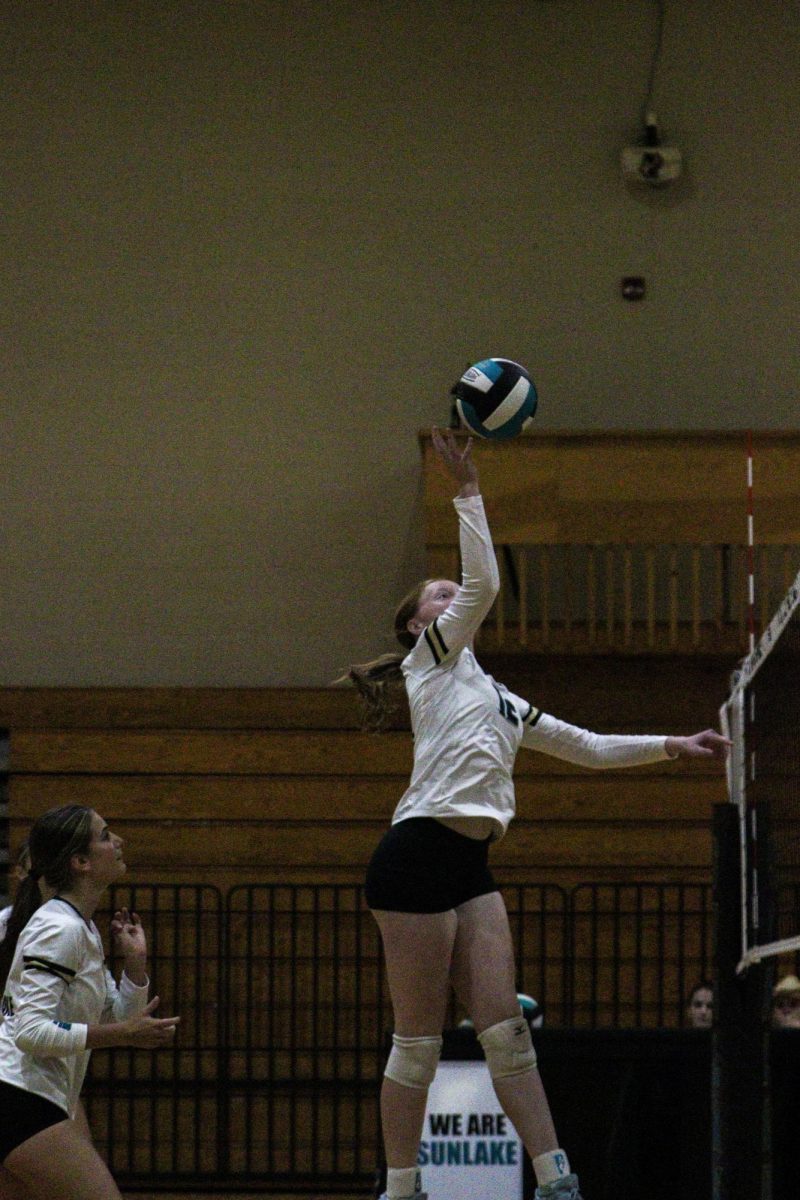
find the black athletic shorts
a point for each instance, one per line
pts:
(22, 1114)
(422, 866)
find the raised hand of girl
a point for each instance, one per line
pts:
(130, 943)
(457, 459)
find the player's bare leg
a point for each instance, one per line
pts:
(417, 948)
(484, 980)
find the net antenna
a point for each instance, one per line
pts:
(762, 718)
(751, 576)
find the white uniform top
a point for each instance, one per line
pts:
(58, 985)
(5, 913)
(467, 728)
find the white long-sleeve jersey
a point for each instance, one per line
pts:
(467, 727)
(58, 985)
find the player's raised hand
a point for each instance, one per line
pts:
(457, 459)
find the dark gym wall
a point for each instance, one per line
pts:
(249, 246)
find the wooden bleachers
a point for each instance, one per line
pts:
(228, 786)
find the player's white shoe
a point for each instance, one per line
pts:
(560, 1189)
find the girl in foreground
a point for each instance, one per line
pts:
(442, 920)
(60, 1002)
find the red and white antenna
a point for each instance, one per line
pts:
(751, 588)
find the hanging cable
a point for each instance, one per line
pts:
(655, 61)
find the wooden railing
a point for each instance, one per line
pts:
(633, 598)
(627, 542)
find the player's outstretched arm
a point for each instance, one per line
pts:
(546, 733)
(448, 631)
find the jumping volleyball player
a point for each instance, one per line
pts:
(59, 1003)
(442, 919)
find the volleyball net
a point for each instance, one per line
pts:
(762, 718)
(756, 892)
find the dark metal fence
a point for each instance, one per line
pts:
(636, 951)
(306, 1011)
(274, 1079)
(162, 1116)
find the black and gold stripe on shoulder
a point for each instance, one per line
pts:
(35, 962)
(531, 716)
(436, 643)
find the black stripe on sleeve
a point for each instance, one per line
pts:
(34, 963)
(438, 635)
(533, 717)
(436, 643)
(437, 658)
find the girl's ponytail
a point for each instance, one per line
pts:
(26, 902)
(376, 681)
(54, 838)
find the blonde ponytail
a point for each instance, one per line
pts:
(377, 681)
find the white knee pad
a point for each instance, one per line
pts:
(413, 1060)
(508, 1048)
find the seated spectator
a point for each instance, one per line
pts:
(700, 1005)
(786, 1003)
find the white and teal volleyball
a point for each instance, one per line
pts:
(496, 398)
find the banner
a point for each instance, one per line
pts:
(469, 1148)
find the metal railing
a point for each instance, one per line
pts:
(636, 952)
(163, 1116)
(306, 1012)
(273, 1082)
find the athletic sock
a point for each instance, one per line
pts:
(402, 1182)
(550, 1167)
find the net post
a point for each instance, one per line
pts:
(740, 1037)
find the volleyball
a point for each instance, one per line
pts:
(531, 1010)
(496, 398)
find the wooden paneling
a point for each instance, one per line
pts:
(209, 752)
(265, 755)
(266, 846)
(654, 794)
(584, 688)
(252, 799)
(180, 708)
(625, 486)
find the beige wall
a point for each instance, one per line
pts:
(250, 245)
